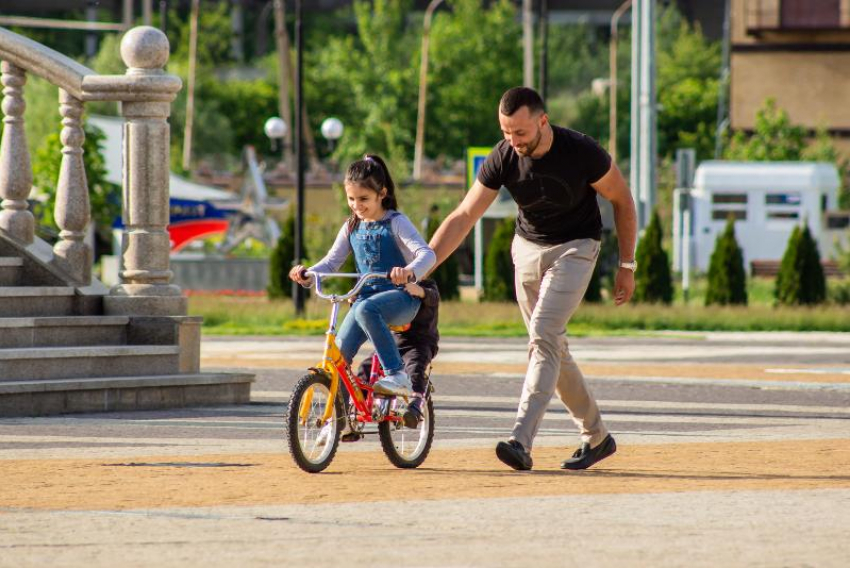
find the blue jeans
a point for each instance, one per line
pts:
(369, 317)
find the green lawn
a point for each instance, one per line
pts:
(260, 316)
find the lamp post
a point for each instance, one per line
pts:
(276, 129)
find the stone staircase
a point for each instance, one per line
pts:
(67, 343)
(59, 355)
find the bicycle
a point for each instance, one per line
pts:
(316, 411)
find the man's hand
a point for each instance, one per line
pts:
(624, 286)
(401, 276)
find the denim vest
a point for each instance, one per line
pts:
(375, 250)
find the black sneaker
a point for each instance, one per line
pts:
(584, 457)
(413, 414)
(513, 454)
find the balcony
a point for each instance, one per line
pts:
(796, 15)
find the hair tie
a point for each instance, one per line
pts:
(368, 158)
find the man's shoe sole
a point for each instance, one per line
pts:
(507, 454)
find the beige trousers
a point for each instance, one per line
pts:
(550, 284)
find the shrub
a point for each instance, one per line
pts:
(800, 280)
(653, 282)
(447, 275)
(281, 261)
(727, 280)
(498, 264)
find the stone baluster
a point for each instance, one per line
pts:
(145, 287)
(72, 195)
(15, 168)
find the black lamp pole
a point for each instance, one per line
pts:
(297, 291)
(543, 82)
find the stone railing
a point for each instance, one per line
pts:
(145, 92)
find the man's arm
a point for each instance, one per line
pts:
(457, 225)
(613, 187)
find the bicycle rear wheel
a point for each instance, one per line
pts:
(407, 448)
(312, 441)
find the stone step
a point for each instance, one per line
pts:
(10, 270)
(32, 301)
(108, 394)
(63, 331)
(40, 363)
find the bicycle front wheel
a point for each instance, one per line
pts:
(312, 441)
(408, 447)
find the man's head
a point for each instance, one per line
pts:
(522, 117)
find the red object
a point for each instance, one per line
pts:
(181, 234)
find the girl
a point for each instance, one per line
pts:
(382, 240)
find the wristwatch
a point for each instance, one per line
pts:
(630, 265)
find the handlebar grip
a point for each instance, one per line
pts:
(411, 278)
(303, 273)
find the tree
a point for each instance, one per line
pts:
(447, 275)
(800, 280)
(653, 281)
(498, 264)
(774, 138)
(281, 261)
(727, 280)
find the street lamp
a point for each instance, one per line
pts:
(276, 129)
(332, 130)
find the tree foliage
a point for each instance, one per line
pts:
(774, 138)
(801, 279)
(653, 281)
(498, 264)
(727, 279)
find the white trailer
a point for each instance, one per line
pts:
(766, 199)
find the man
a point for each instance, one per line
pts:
(553, 174)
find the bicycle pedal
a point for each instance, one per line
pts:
(351, 437)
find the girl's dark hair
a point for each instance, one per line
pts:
(372, 173)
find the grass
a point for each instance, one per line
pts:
(226, 315)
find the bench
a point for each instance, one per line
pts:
(770, 268)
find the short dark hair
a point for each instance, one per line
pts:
(518, 97)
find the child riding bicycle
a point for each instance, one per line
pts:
(382, 240)
(418, 345)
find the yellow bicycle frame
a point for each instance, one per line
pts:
(331, 360)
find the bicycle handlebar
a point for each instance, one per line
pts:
(362, 279)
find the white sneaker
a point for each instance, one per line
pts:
(325, 435)
(397, 384)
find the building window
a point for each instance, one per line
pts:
(783, 215)
(792, 198)
(724, 214)
(717, 198)
(810, 14)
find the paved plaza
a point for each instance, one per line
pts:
(734, 449)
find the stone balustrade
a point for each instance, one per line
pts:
(145, 92)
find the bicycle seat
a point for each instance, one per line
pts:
(399, 328)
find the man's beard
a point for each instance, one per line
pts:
(528, 149)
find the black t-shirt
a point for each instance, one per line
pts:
(553, 192)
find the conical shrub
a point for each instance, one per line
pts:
(800, 280)
(280, 261)
(727, 279)
(498, 264)
(447, 275)
(653, 281)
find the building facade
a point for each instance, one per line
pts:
(797, 52)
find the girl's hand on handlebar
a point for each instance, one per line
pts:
(299, 274)
(400, 275)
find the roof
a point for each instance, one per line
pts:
(717, 174)
(179, 187)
